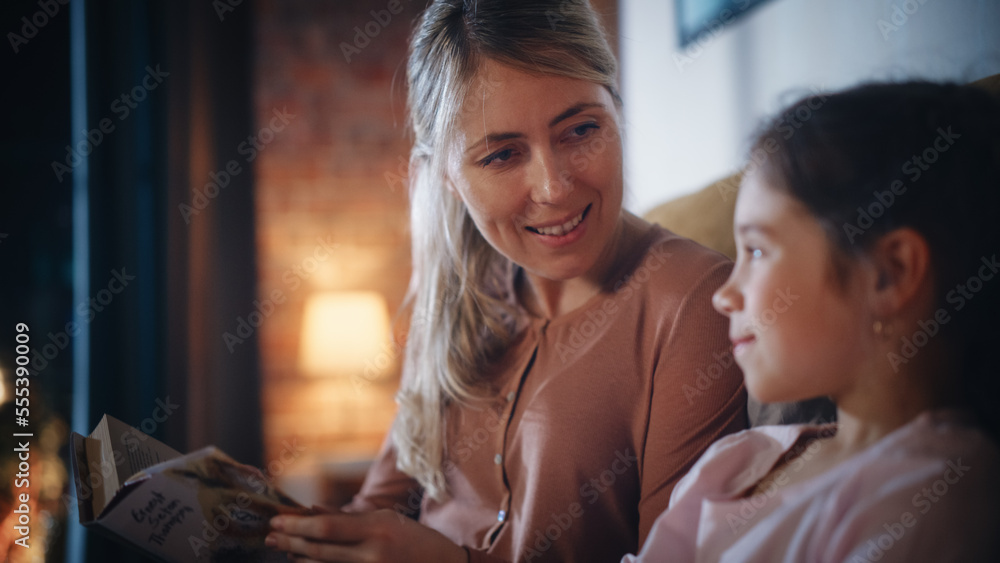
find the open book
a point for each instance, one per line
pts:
(203, 506)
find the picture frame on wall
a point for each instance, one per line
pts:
(698, 17)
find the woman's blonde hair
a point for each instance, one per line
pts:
(462, 319)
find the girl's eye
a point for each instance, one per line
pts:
(753, 252)
(501, 156)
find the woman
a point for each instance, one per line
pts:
(564, 366)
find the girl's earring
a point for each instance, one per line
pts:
(883, 330)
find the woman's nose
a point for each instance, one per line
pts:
(550, 181)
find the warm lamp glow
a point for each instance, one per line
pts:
(342, 331)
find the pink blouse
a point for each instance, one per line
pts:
(929, 491)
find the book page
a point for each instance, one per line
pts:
(102, 478)
(115, 452)
(132, 449)
(81, 476)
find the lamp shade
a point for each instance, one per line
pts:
(342, 331)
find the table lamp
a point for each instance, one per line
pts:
(341, 332)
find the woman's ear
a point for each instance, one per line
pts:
(902, 280)
(449, 183)
(450, 186)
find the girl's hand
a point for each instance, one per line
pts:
(382, 535)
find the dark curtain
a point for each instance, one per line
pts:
(211, 252)
(175, 80)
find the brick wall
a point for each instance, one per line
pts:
(327, 188)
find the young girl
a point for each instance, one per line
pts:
(868, 246)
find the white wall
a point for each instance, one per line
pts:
(690, 114)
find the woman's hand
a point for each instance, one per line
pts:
(382, 535)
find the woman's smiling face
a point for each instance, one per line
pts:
(537, 160)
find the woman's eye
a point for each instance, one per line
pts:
(585, 129)
(753, 252)
(501, 156)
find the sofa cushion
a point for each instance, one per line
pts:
(705, 216)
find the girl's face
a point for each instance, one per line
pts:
(537, 161)
(796, 331)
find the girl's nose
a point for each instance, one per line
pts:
(727, 298)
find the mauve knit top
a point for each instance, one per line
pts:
(595, 417)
